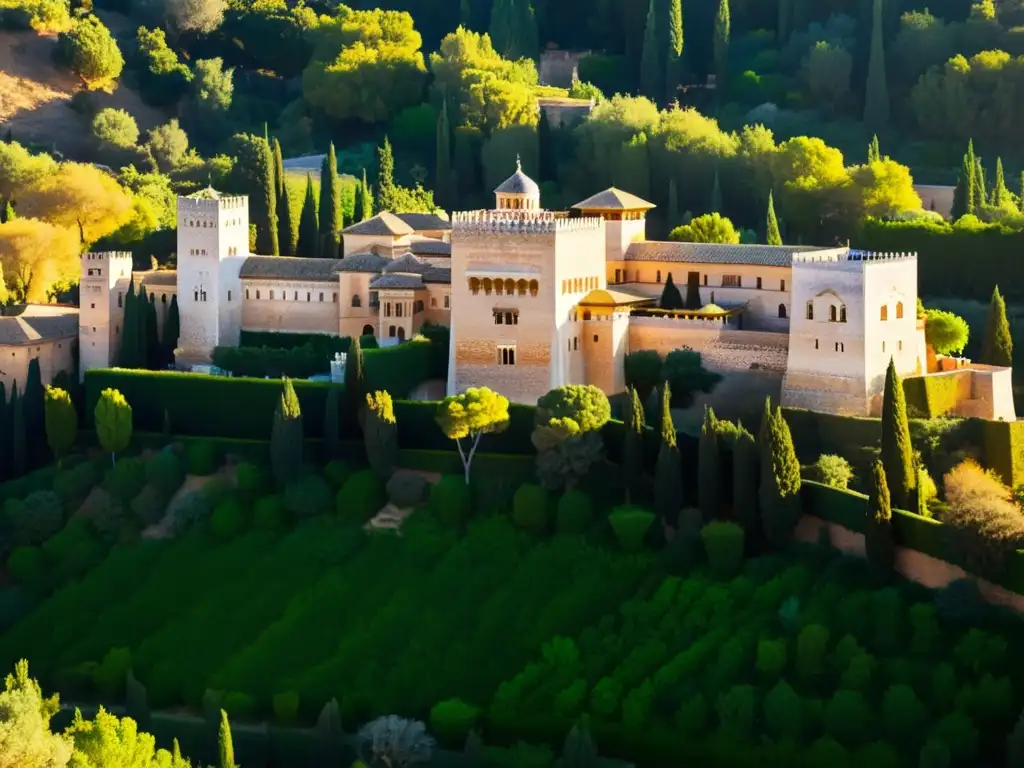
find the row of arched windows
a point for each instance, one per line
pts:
(284, 295)
(836, 312)
(579, 284)
(884, 314)
(508, 286)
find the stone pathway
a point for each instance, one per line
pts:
(390, 517)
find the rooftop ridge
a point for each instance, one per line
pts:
(524, 222)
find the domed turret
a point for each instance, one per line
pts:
(518, 192)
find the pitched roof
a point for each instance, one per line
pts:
(288, 267)
(518, 184)
(361, 262)
(39, 323)
(612, 297)
(714, 253)
(613, 199)
(411, 282)
(383, 223)
(438, 275)
(160, 277)
(431, 247)
(422, 222)
(405, 263)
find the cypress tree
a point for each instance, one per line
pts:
(670, 297)
(876, 93)
(172, 328)
(503, 28)
(465, 14)
(668, 472)
(780, 483)
(175, 754)
(709, 467)
(897, 451)
(19, 451)
(874, 152)
(380, 434)
(692, 291)
(355, 381)
(154, 353)
(546, 148)
(772, 236)
(278, 171)
(1000, 194)
(745, 481)
(963, 194)
(716, 195)
(783, 23)
(8, 213)
(878, 540)
(633, 447)
(34, 405)
(330, 206)
(526, 29)
(364, 210)
(579, 750)
(674, 218)
(1021, 195)
(225, 747)
(308, 230)
(980, 187)
(652, 68)
(445, 174)
(385, 178)
(5, 434)
(723, 30)
(264, 212)
(332, 417)
(997, 346)
(287, 227)
(130, 334)
(142, 318)
(286, 437)
(674, 53)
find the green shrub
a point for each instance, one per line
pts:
(833, 471)
(35, 519)
(109, 677)
(270, 513)
(723, 543)
(125, 479)
(73, 485)
(250, 477)
(228, 519)
(530, 508)
(450, 500)
(361, 497)
(286, 708)
(164, 472)
(452, 720)
(73, 551)
(368, 342)
(26, 566)
(309, 496)
(407, 490)
(104, 512)
(771, 657)
(575, 513)
(337, 472)
(149, 506)
(216, 489)
(631, 525)
(239, 705)
(192, 508)
(848, 717)
(202, 458)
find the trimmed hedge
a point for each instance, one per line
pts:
(930, 396)
(274, 340)
(1003, 443)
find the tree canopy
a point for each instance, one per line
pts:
(709, 228)
(90, 51)
(471, 415)
(946, 332)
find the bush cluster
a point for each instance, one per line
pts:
(361, 497)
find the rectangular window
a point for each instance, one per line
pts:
(321, 297)
(507, 354)
(433, 302)
(247, 293)
(229, 295)
(705, 279)
(731, 281)
(271, 295)
(759, 283)
(447, 301)
(782, 285)
(618, 275)
(387, 309)
(335, 297)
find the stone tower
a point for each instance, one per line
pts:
(851, 313)
(213, 243)
(104, 283)
(625, 219)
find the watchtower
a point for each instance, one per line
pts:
(102, 288)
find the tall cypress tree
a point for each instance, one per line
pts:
(364, 208)
(130, 334)
(332, 416)
(716, 195)
(668, 472)
(309, 235)
(874, 152)
(980, 187)
(503, 28)
(225, 747)
(286, 437)
(723, 31)
(780, 482)
(878, 541)
(278, 170)
(709, 468)
(264, 208)
(445, 174)
(674, 52)
(5, 434)
(142, 304)
(963, 194)
(355, 380)
(784, 22)
(997, 346)
(897, 450)
(670, 296)
(633, 447)
(526, 26)
(154, 353)
(772, 236)
(19, 451)
(745, 482)
(1000, 194)
(172, 329)
(385, 177)
(652, 69)
(287, 227)
(674, 218)
(330, 206)
(876, 92)
(546, 147)
(34, 404)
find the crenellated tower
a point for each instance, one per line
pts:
(102, 288)
(213, 243)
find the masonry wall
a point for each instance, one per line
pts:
(297, 306)
(54, 355)
(721, 349)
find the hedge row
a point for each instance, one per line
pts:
(1003, 443)
(275, 340)
(929, 397)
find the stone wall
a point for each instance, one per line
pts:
(721, 349)
(826, 394)
(287, 314)
(557, 67)
(936, 198)
(54, 355)
(523, 382)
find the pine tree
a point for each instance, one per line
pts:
(963, 194)
(172, 329)
(876, 92)
(1000, 194)
(278, 170)
(772, 236)
(897, 450)
(330, 206)
(225, 747)
(264, 212)
(780, 483)
(980, 187)
(633, 447)
(652, 67)
(130, 335)
(364, 207)
(670, 297)
(709, 469)
(19, 450)
(874, 152)
(723, 30)
(716, 195)
(445, 174)
(385, 178)
(668, 472)
(308, 231)
(745, 481)
(674, 217)
(286, 437)
(782, 25)
(287, 227)
(997, 346)
(332, 423)
(674, 53)
(355, 381)
(34, 405)
(878, 540)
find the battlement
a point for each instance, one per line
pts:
(211, 204)
(851, 258)
(521, 222)
(107, 256)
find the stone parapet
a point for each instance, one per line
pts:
(521, 222)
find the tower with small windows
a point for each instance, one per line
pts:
(102, 288)
(213, 244)
(851, 313)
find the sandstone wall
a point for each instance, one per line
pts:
(721, 349)
(296, 307)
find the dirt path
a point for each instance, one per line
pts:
(165, 528)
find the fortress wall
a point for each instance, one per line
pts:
(722, 349)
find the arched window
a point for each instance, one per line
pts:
(367, 330)
(498, 287)
(398, 309)
(487, 285)
(534, 287)
(782, 311)
(899, 310)
(885, 312)
(391, 331)
(356, 302)
(659, 276)
(842, 314)
(474, 285)
(832, 314)
(401, 334)
(521, 287)
(510, 286)
(810, 310)
(586, 314)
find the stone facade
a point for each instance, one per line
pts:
(102, 286)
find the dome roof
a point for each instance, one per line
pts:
(518, 184)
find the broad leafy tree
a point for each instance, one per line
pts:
(567, 434)
(113, 418)
(25, 738)
(468, 417)
(253, 175)
(947, 333)
(709, 228)
(90, 51)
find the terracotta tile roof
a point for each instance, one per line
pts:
(713, 253)
(288, 267)
(39, 323)
(361, 262)
(613, 199)
(383, 223)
